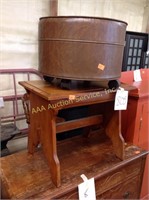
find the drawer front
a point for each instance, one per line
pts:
(118, 176)
(114, 181)
(126, 190)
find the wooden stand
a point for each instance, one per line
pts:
(45, 102)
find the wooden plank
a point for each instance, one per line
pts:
(53, 7)
(78, 123)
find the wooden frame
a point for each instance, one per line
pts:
(53, 7)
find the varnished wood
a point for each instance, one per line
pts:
(26, 176)
(78, 123)
(45, 102)
(43, 129)
(53, 93)
(113, 130)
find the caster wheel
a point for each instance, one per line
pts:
(86, 83)
(48, 79)
(113, 84)
(65, 84)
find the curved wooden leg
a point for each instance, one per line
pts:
(43, 130)
(48, 138)
(113, 130)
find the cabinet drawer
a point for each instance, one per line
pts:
(118, 176)
(119, 182)
(126, 190)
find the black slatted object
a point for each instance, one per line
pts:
(135, 52)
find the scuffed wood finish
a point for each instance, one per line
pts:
(45, 102)
(26, 176)
(113, 130)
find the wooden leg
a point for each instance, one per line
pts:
(33, 139)
(113, 130)
(34, 125)
(87, 131)
(48, 139)
(43, 130)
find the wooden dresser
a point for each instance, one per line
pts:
(135, 120)
(27, 176)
